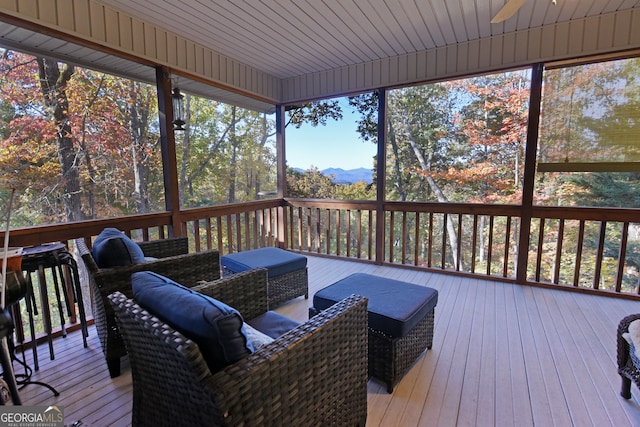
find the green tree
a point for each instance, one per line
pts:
(357, 191)
(314, 113)
(311, 184)
(606, 189)
(225, 155)
(590, 115)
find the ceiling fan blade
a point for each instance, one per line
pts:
(507, 11)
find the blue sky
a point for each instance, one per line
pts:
(336, 145)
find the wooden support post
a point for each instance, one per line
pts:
(381, 163)
(168, 147)
(535, 99)
(281, 166)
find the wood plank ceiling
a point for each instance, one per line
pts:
(288, 38)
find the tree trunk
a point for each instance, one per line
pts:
(255, 183)
(88, 160)
(184, 180)
(138, 125)
(53, 83)
(451, 232)
(402, 192)
(234, 160)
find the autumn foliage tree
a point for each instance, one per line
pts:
(493, 127)
(77, 144)
(460, 141)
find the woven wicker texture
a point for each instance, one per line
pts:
(288, 286)
(284, 287)
(173, 261)
(314, 375)
(391, 357)
(626, 368)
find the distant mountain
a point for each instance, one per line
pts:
(350, 176)
(344, 177)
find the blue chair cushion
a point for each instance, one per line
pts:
(216, 328)
(113, 248)
(277, 261)
(273, 324)
(395, 307)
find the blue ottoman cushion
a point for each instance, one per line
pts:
(277, 261)
(395, 307)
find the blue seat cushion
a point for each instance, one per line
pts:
(273, 324)
(113, 248)
(277, 261)
(395, 307)
(216, 328)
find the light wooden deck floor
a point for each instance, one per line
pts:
(503, 355)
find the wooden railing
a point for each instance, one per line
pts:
(474, 239)
(235, 227)
(593, 249)
(332, 227)
(585, 248)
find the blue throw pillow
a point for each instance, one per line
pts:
(113, 248)
(257, 338)
(216, 328)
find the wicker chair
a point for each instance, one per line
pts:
(173, 260)
(316, 374)
(628, 369)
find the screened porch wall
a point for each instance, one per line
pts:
(92, 23)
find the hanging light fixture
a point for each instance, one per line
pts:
(178, 109)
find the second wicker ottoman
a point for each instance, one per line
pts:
(401, 317)
(287, 276)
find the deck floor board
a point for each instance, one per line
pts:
(502, 354)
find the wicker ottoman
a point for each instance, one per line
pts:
(287, 272)
(401, 317)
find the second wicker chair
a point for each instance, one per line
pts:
(173, 260)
